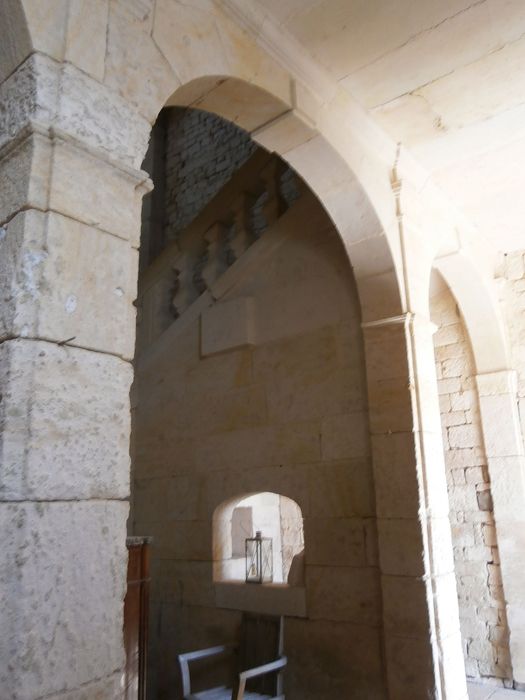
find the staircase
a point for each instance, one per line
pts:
(217, 240)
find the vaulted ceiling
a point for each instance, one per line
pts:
(444, 77)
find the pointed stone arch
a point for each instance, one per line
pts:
(500, 427)
(94, 120)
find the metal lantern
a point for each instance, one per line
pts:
(259, 559)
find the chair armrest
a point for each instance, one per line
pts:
(258, 671)
(184, 661)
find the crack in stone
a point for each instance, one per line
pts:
(412, 38)
(416, 90)
(63, 344)
(73, 499)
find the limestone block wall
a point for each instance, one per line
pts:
(202, 153)
(286, 414)
(481, 601)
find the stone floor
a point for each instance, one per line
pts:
(484, 692)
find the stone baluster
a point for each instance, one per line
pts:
(241, 235)
(183, 292)
(275, 204)
(213, 262)
(291, 186)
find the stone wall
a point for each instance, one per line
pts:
(202, 153)
(482, 606)
(286, 414)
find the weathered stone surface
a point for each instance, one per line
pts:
(95, 114)
(104, 196)
(198, 41)
(111, 687)
(30, 93)
(24, 176)
(51, 293)
(78, 638)
(57, 445)
(65, 97)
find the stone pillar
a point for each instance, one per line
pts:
(69, 232)
(421, 624)
(505, 455)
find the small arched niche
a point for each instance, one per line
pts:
(276, 517)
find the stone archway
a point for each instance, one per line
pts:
(496, 388)
(64, 125)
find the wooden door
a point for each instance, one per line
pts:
(136, 605)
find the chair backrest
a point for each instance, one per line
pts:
(261, 641)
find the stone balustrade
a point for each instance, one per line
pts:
(252, 201)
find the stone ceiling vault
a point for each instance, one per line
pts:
(444, 78)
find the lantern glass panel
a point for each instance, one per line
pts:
(259, 559)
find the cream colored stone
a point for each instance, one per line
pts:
(86, 35)
(199, 41)
(129, 34)
(196, 50)
(497, 383)
(502, 434)
(242, 103)
(47, 25)
(56, 447)
(291, 483)
(94, 114)
(71, 101)
(379, 296)
(508, 487)
(54, 293)
(104, 196)
(283, 133)
(257, 67)
(80, 634)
